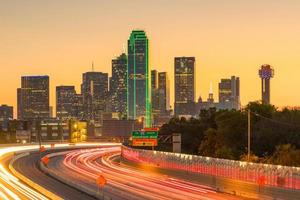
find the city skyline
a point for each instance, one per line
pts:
(221, 51)
(144, 100)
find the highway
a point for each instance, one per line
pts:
(12, 187)
(126, 182)
(28, 166)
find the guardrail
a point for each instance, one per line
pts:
(261, 174)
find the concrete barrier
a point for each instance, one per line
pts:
(203, 170)
(87, 190)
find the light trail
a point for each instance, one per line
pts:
(147, 185)
(11, 187)
(2, 195)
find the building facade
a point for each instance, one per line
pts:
(229, 93)
(154, 93)
(184, 69)
(120, 128)
(138, 79)
(118, 85)
(68, 103)
(33, 98)
(163, 93)
(94, 90)
(6, 112)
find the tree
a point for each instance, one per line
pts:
(223, 133)
(253, 158)
(285, 154)
(209, 143)
(225, 152)
(231, 132)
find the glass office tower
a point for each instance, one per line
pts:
(138, 78)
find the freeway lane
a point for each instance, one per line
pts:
(12, 187)
(9, 187)
(28, 166)
(131, 183)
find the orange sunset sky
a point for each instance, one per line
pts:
(61, 38)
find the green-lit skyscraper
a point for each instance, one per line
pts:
(138, 78)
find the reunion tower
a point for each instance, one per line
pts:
(266, 72)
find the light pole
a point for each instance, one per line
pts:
(249, 134)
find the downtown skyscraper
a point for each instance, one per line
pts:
(33, 98)
(154, 93)
(160, 93)
(118, 85)
(184, 69)
(94, 90)
(163, 93)
(138, 78)
(68, 103)
(229, 93)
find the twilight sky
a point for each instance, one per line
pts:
(61, 38)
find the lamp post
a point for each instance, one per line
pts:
(249, 135)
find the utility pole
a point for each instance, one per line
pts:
(38, 134)
(60, 129)
(249, 133)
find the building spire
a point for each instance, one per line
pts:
(92, 66)
(211, 88)
(124, 48)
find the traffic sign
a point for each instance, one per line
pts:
(144, 142)
(45, 160)
(151, 129)
(101, 181)
(42, 149)
(261, 180)
(145, 134)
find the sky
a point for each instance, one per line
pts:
(61, 38)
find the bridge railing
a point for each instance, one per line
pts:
(262, 174)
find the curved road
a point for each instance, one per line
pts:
(28, 166)
(126, 182)
(12, 187)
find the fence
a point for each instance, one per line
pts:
(262, 174)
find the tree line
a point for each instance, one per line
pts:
(275, 134)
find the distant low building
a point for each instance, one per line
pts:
(205, 105)
(160, 120)
(49, 130)
(6, 112)
(120, 128)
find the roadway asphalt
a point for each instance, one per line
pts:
(124, 182)
(10, 189)
(28, 166)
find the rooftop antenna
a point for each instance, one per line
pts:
(210, 88)
(124, 48)
(92, 66)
